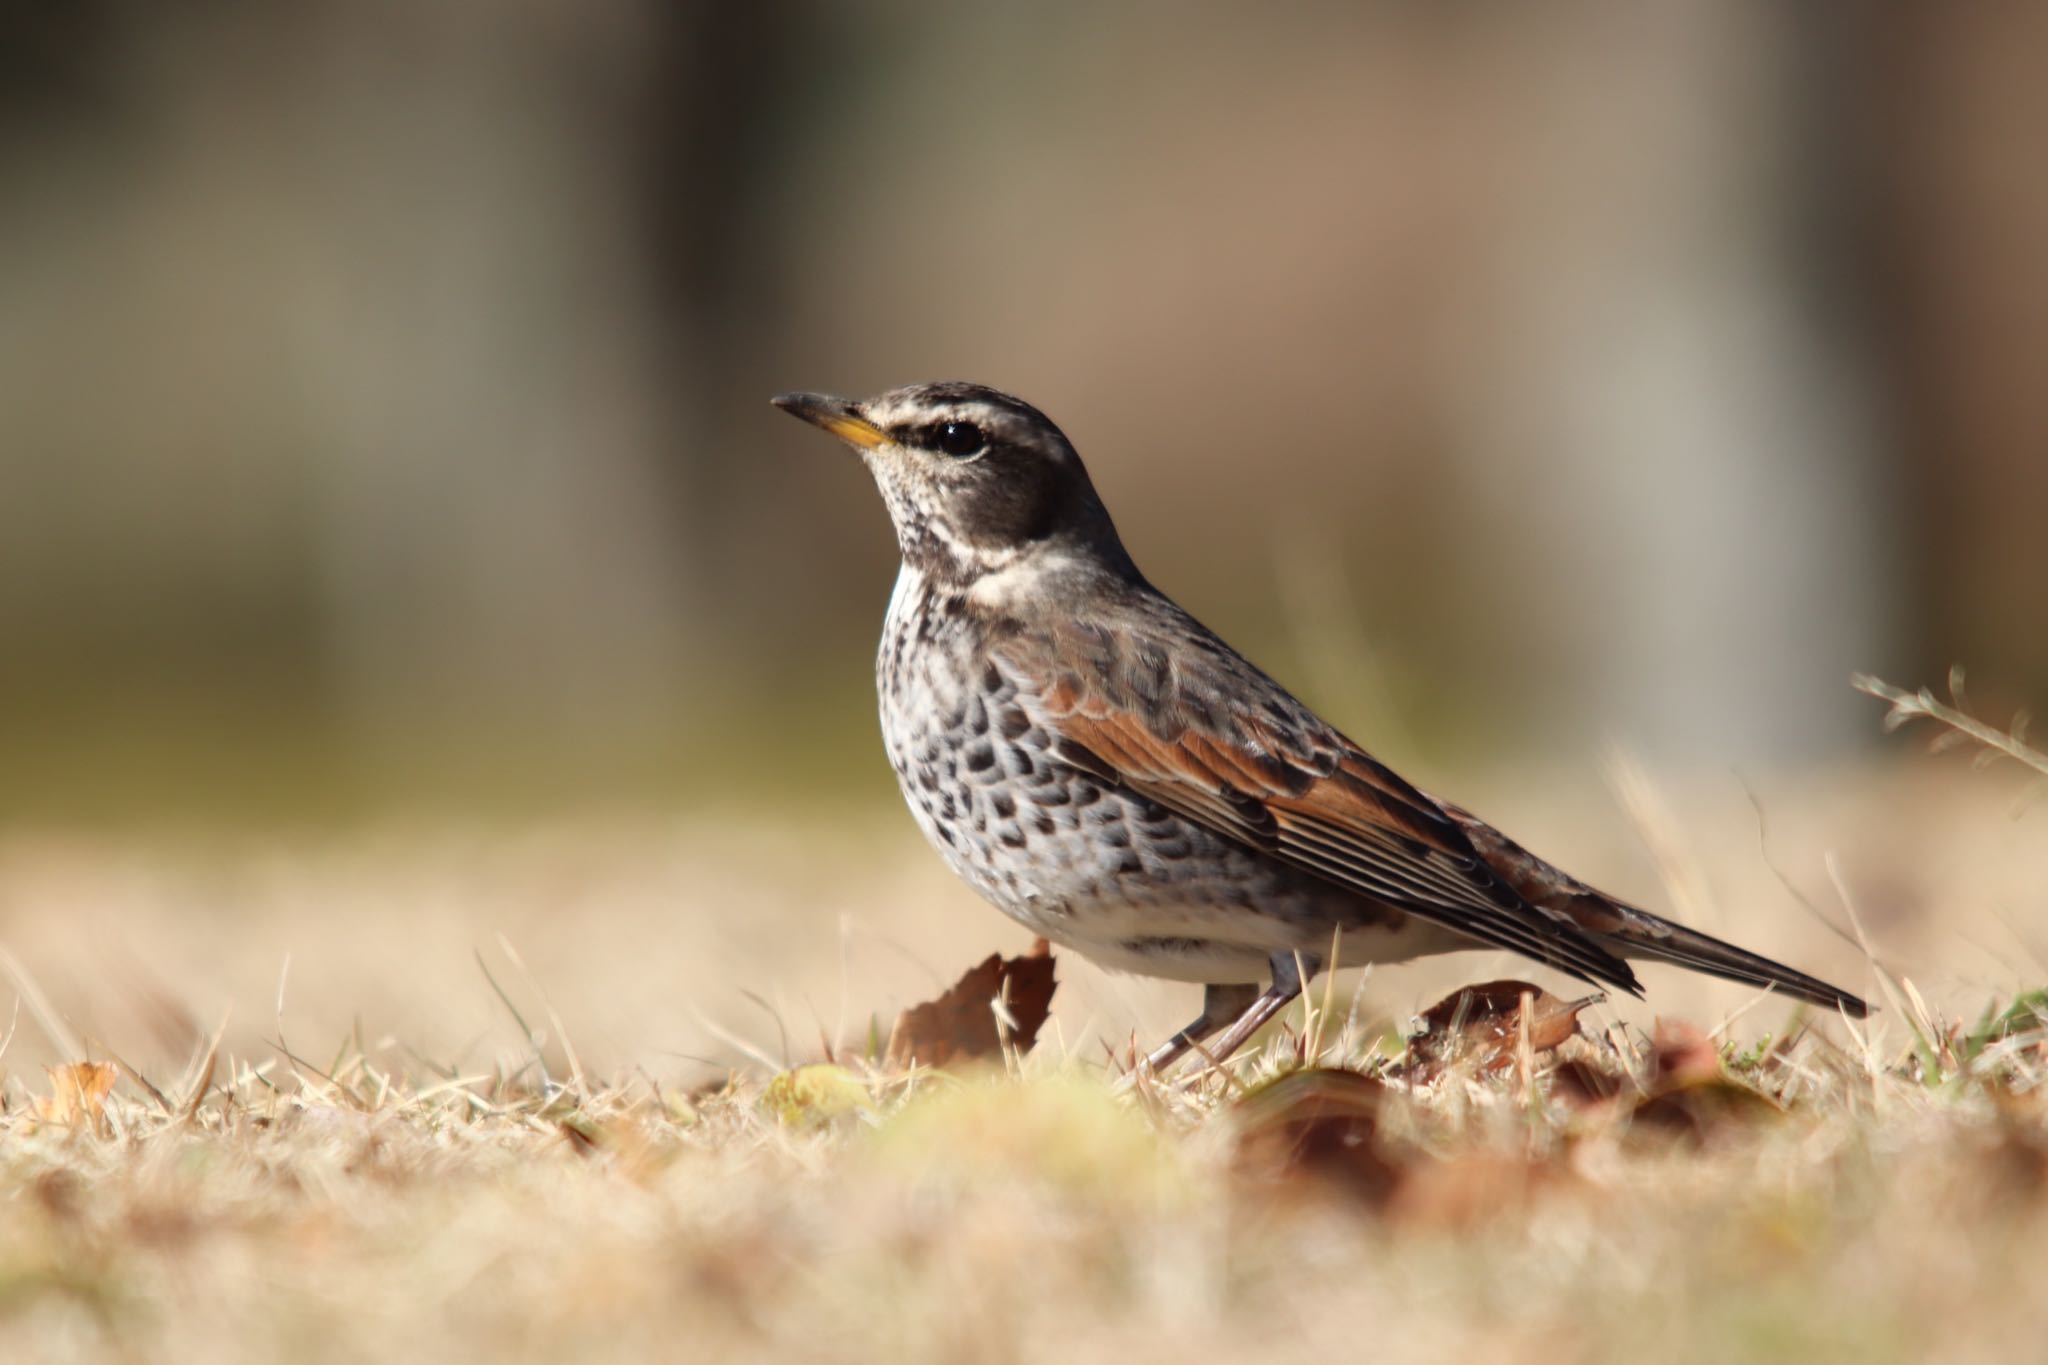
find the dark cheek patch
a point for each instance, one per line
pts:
(1007, 500)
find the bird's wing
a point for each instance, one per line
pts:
(1170, 712)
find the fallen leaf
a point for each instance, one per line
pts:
(1484, 1022)
(1704, 1111)
(1003, 998)
(1320, 1131)
(78, 1095)
(1581, 1085)
(1691, 1097)
(1320, 1126)
(1681, 1054)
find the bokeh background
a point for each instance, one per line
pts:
(384, 445)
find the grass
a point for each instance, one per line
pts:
(1819, 1199)
(616, 1141)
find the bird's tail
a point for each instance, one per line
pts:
(1632, 933)
(1643, 935)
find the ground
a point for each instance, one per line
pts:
(562, 1092)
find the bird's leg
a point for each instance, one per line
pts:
(1220, 1005)
(1290, 973)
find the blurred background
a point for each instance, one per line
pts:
(383, 419)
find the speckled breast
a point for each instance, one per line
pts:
(1081, 861)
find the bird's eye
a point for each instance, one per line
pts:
(960, 439)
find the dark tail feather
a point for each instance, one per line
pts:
(1663, 941)
(1630, 932)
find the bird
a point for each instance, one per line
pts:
(1109, 773)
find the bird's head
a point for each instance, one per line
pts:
(977, 482)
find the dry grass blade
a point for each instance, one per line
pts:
(526, 1031)
(576, 1076)
(1657, 825)
(1907, 707)
(203, 1080)
(162, 1101)
(28, 992)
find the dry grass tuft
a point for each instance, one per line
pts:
(1698, 1203)
(209, 1150)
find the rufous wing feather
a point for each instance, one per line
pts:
(1305, 796)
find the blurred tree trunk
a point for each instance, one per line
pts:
(1954, 102)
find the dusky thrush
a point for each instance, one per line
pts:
(1110, 774)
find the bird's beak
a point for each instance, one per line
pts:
(835, 415)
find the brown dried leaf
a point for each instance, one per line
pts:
(1320, 1126)
(78, 1095)
(1315, 1132)
(1691, 1098)
(1581, 1085)
(962, 1024)
(1703, 1112)
(1681, 1054)
(1484, 1022)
